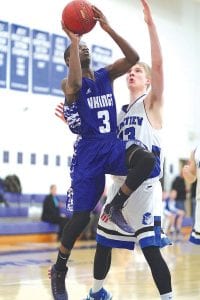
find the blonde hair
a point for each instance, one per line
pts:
(146, 68)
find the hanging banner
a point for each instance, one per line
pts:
(101, 57)
(58, 66)
(3, 53)
(19, 57)
(40, 62)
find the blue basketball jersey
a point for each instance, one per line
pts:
(98, 150)
(93, 114)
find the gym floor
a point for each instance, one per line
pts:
(24, 266)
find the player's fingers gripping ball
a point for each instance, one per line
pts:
(78, 16)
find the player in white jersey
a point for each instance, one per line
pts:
(141, 119)
(143, 209)
(191, 172)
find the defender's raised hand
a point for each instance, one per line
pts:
(147, 12)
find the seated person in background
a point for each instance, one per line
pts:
(51, 210)
(173, 217)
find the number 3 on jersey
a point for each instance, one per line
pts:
(103, 115)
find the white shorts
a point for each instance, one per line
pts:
(142, 212)
(195, 234)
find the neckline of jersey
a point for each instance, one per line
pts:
(129, 107)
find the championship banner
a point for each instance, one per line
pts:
(41, 62)
(58, 66)
(3, 53)
(101, 57)
(19, 57)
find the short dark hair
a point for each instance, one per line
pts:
(67, 51)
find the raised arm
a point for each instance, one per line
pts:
(73, 83)
(189, 171)
(155, 97)
(121, 66)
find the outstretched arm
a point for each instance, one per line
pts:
(155, 97)
(189, 170)
(73, 83)
(121, 66)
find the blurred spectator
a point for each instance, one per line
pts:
(193, 199)
(191, 173)
(51, 212)
(173, 217)
(179, 186)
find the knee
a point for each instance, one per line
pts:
(74, 228)
(137, 155)
(149, 161)
(81, 219)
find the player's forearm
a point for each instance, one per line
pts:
(75, 73)
(157, 77)
(156, 51)
(129, 52)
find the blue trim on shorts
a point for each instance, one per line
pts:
(157, 229)
(153, 241)
(114, 243)
(194, 240)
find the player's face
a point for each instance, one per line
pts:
(84, 55)
(136, 78)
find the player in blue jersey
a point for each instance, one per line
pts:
(91, 112)
(143, 210)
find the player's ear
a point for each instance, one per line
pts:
(67, 61)
(148, 81)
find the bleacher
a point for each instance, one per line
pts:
(21, 219)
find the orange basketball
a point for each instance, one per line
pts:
(78, 16)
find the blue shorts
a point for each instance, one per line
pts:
(94, 159)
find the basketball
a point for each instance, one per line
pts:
(78, 16)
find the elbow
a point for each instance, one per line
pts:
(134, 59)
(137, 58)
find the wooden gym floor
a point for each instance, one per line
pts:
(23, 272)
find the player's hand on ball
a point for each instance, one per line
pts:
(99, 16)
(71, 35)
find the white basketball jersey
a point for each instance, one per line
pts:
(143, 208)
(195, 234)
(133, 124)
(197, 160)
